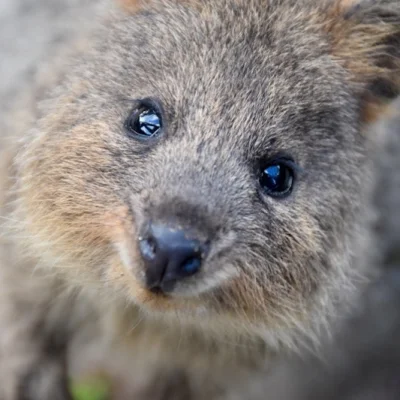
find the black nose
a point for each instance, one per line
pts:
(169, 256)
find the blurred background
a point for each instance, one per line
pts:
(31, 30)
(31, 33)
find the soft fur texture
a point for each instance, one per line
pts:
(363, 362)
(239, 81)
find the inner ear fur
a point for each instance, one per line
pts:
(365, 39)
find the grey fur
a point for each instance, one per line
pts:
(239, 81)
(363, 362)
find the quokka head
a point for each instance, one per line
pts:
(207, 160)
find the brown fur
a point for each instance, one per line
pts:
(239, 81)
(131, 5)
(134, 6)
(363, 362)
(360, 43)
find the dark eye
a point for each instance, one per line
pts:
(145, 121)
(277, 178)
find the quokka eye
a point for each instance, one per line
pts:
(277, 178)
(145, 121)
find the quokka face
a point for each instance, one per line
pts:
(207, 161)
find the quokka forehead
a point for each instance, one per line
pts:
(361, 36)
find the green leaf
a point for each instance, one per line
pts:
(94, 390)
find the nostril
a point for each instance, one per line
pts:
(191, 266)
(169, 255)
(148, 248)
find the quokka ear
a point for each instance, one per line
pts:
(365, 39)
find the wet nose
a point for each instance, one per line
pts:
(169, 255)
